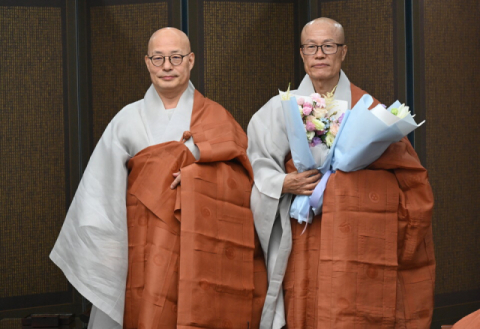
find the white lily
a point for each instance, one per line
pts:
(401, 112)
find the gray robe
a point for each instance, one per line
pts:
(267, 149)
(92, 247)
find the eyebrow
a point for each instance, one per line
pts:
(313, 41)
(161, 52)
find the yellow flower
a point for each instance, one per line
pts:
(310, 135)
(319, 125)
(329, 138)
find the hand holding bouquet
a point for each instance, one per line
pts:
(353, 140)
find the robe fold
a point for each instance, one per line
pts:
(147, 256)
(367, 261)
(191, 250)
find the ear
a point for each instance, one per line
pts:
(191, 60)
(344, 52)
(301, 55)
(147, 62)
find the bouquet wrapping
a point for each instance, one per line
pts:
(362, 138)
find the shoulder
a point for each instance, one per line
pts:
(215, 108)
(357, 93)
(128, 112)
(127, 126)
(268, 110)
(209, 113)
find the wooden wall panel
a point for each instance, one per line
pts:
(452, 76)
(33, 172)
(246, 51)
(119, 34)
(369, 32)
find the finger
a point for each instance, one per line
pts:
(176, 182)
(310, 187)
(312, 179)
(304, 192)
(175, 174)
(309, 173)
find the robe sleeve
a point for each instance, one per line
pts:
(92, 247)
(267, 148)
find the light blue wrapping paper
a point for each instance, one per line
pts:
(361, 139)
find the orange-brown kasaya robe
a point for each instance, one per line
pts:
(194, 258)
(367, 261)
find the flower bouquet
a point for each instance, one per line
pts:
(362, 137)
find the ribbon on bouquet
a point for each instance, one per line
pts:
(316, 199)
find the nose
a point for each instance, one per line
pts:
(319, 54)
(167, 66)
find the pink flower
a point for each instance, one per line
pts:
(307, 108)
(300, 101)
(316, 97)
(319, 101)
(334, 128)
(310, 126)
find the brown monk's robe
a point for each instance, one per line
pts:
(367, 261)
(194, 258)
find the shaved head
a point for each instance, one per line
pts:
(323, 69)
(170, 80)
(324, 23)
(170, 33)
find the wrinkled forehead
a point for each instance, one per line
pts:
(322, 32)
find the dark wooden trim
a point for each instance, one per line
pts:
(418, 36)
(95, 3)
(71, 108)
(84, 69)
(32, 3)
(399, 50)
(31, 301)
(175, 18)
(302, 17)
(195, 34)
(314, 9)
(458, 297)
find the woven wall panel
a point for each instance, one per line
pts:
(249, 53)
(452, 78)
(119, 38)
(369, 36)
(32, 165)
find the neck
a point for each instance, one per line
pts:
(170, 98)
(325, 86)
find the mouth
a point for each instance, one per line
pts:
(168, 77)
(320, 65)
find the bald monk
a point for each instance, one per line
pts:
(367, 261)
(160, 233)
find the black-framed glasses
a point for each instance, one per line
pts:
(158, 60)
(327, 48)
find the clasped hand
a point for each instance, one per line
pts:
(301, 183)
